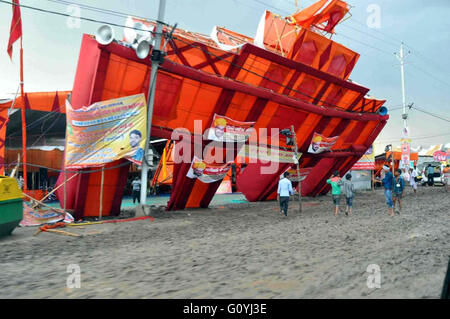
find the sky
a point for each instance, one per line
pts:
(52, 43)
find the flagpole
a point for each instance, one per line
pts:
(24, 124)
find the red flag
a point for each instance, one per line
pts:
(16, 26)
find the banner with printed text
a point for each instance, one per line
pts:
(405, 161)
(106, 131)
(224, 129)
(439, 156)
(320, 143)
(367, 161)
(304, 172)
(207, 173)
(252, 153)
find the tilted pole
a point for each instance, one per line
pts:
(151, 98)
(102, 181)
(402, 69)
(24, 123)
(401, 58)
(298, 170)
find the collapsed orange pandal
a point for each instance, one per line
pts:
(248, 83)
(328, 17)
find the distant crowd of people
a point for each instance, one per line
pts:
(393, 184)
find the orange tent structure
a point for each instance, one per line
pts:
(303, 84)
(37, 101)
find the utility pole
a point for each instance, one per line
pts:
(297, 160)
(402, 68)
(156, 60)
(401, 58)
(405, 131)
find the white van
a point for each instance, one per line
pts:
(438, 177)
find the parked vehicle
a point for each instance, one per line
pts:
(437, 177)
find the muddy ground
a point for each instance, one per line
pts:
(242, 251)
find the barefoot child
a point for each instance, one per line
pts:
(336, 183)
(399, 186)
(349, 190)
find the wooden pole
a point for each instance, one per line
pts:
(24, 124)
(56, 188)
(65, 187)
(101, 193)
(62, 232)
(43, 204)
(298, 170)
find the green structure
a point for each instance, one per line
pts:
(11, 205)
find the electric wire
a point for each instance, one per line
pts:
(81, 18)
(414, 138)
(430, 113)
(81, 171)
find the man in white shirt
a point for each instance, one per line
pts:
(136, 184)
(284, 191)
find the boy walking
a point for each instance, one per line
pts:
(284, 191)
(336, 183)
(399, 186)
(349, 190)
(388, 182)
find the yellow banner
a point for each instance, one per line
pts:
(106, 131)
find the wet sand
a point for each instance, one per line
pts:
(243, 251)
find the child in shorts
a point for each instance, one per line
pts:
(349, 190)
(399, 186)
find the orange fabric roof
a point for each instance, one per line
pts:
(40, 101)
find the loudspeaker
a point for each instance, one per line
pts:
(104, 35)
(382, 110)
(142, 48)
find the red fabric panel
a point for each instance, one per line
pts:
(256, 110)
(15, 32)
(319, 172)
(318, 129)
(120, 187)
(166, 96)
(71, 185)
(334, 97)
(307, 53)
(3, 123)
(291, 83)
(327, 172)
(337, 65)
(88, 84)
(275, 74)
(255, 185)
(275, 58)
(350, 67)
(263, 93)
(355, 132)
(85, 74)
(209, 194)
(325, 56)
(100, 76)
(297, 45)
(308, 87)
